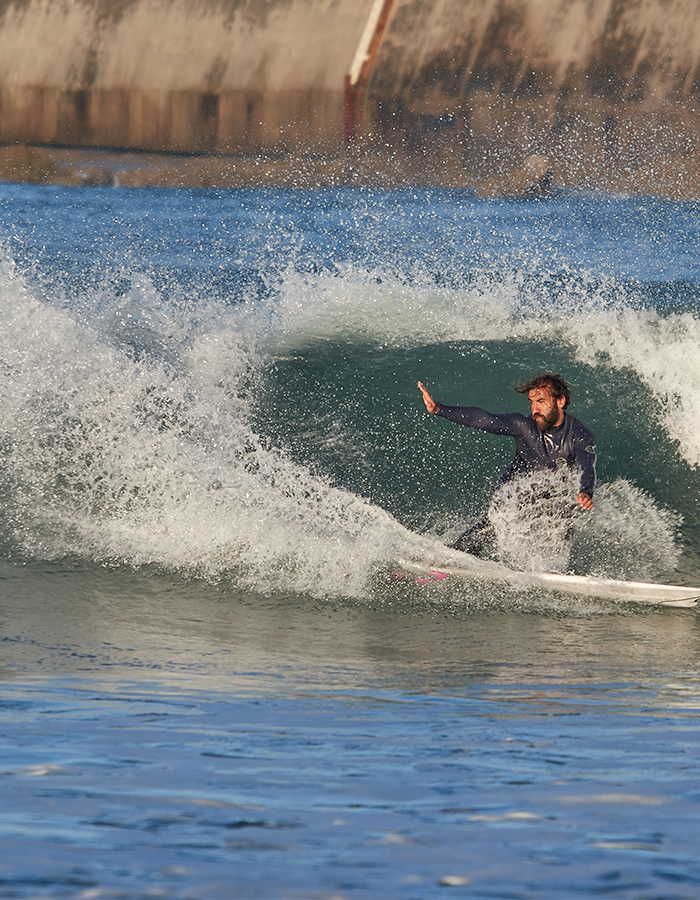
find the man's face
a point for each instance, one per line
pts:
(547, 412)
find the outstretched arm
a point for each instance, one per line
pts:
(430, 404)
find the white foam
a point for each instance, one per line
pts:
(662, 350)
(148, 457)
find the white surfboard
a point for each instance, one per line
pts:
(608, 588)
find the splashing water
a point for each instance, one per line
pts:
(627, 534)
(534, 518)
(119, 455)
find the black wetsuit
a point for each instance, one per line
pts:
(570, 444)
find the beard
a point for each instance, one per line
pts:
(546, 423)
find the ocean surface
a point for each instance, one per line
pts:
(216, 678)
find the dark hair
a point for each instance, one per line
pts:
(555, 384)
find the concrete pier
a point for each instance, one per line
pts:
(500, 96)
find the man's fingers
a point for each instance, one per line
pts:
(430, 404)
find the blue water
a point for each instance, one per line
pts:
(213, 456)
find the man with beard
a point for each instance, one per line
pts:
(549, 438)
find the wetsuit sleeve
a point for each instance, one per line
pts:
(585, 450)
(509, 423)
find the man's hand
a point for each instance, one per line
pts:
(430, 404)
(584, 501)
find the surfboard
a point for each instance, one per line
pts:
(606, 588)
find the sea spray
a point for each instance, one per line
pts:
(661, 348)
(627, 535)
(533, 518)
(113, 453)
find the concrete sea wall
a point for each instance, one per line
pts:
(500, 95)
(606, 91)
(218, 76)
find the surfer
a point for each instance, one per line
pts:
(549, 438)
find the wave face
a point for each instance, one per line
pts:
(223, 385)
